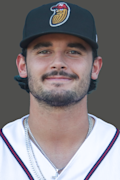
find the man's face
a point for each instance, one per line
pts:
(59, 69)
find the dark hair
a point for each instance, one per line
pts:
(24, 52)
(93, 83)
(23, 82)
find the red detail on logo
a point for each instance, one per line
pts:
(63, 6)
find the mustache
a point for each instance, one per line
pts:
(62, 73)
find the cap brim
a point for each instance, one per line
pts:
(28, 40)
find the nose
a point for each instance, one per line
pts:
(58, 62)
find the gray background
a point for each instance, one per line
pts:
(104, 102)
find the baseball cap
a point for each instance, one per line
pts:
(59, 17)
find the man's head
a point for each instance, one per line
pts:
(65, 20)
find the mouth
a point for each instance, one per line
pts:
(58, 78)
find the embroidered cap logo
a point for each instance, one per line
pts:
(60, 15)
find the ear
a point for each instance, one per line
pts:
(21, 65)
(97, 65)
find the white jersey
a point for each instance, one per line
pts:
(98, 158)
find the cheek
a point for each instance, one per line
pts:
(81, 68)
(37, 66)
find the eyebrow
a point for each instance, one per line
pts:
(48, 44)
(77, 45)
(44, 44)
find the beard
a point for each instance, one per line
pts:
(59, 97)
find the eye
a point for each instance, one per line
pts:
(74, 52)
(44, 52)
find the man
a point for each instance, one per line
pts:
(59, 66)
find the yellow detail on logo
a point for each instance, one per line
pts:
(60, 16)
(61, 13)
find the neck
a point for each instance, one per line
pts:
(58, 122)
(55, 129)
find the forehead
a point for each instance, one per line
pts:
(57, 38)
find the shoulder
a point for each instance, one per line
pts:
(11, 127)
(102, 123)
(105, 131)
(13, 135)
(13, 130)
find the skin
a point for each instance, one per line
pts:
(60, 131)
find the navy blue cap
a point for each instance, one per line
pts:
(59, 17)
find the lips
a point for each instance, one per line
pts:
(59, 75)
(58, 78)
